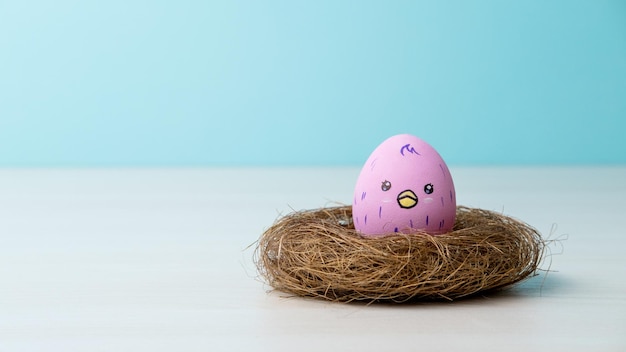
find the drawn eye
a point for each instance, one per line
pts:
(428, 189)
(385, 186)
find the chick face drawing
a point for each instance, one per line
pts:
(404, 186)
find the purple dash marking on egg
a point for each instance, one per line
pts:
(395, 230)
(365, 220)
(411, 223)
(440, 224)
(442, 170)
(373, 164)
(451, 195)
(363, 195)
(442, 202)
(426, 220)
(380, 211)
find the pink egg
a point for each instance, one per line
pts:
(404, 186)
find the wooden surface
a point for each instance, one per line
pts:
(160, 260)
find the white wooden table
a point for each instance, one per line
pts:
(159, 260)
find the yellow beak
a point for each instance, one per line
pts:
(407, 199)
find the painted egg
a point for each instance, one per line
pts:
(404, 186)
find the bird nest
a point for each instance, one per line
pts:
(319, 253)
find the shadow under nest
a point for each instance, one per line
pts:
(318, 253)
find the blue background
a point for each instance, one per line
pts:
(186, 83)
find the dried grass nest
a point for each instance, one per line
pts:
(318, 253)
